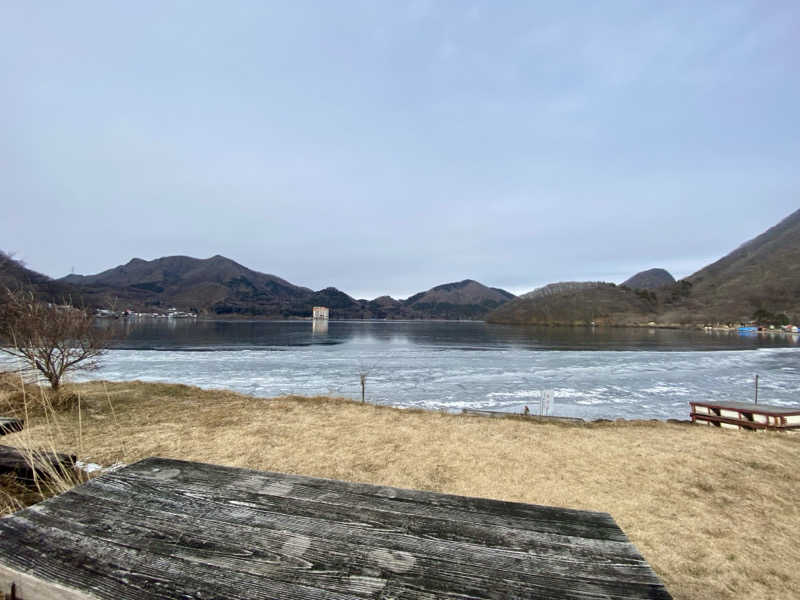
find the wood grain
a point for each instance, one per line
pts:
(172, 529)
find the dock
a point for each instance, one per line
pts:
(163, 528)
(745, 415)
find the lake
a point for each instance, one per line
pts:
(593, 372)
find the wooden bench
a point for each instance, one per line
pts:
(171, 529)
(745, 415)
(10, 425)
(22, 463)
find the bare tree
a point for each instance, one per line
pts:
(53, 339)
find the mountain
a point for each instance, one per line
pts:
(14, 275)
(759, 280)
(650, 279)
(179, 274)
(762, 274)
(563, 287)
(221, 286)
(577, 303)
(465, 299)
(386, 307)
(215, 285)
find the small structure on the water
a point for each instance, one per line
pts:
(320, 313)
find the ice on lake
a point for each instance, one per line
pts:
(594, 373)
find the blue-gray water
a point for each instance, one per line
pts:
(595, 373)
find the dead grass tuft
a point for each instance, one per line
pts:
(712, 511)
(42, 412)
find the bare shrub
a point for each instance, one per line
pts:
(52, 339)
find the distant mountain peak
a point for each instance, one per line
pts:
(221, 286)
(563, 287)
(466, 298)
(650, 279)
(761, 276)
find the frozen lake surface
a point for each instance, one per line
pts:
(594, 373)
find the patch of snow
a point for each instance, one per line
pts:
(90, 467)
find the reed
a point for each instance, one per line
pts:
(43, 412)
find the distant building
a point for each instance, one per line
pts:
(319, 313)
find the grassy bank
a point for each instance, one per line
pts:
(714, 512)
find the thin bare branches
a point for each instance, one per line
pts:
(53, 339)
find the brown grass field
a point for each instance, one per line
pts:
(715, 512)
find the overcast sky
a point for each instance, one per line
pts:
(386, 147)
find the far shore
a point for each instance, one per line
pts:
(599, 324)
(711, 510)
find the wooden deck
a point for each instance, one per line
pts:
(171, 529)
(745, 415)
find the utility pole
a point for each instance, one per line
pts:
(756, 388)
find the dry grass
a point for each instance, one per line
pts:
(714, 512)
(38, 445)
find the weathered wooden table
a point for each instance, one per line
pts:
(172, 529)
(744, 415)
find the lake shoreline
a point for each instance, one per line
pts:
(281, 319)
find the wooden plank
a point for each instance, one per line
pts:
(23, 462)
(114, 571)
(304, 517)
(164, 529)
(313, 563)
(401, 538)
(17, 585)
(10, 425)
(743, 423)
(365, 497)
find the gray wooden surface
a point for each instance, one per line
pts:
(23, 462)
(10, 425)
(172, 529)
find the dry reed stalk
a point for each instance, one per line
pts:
(40, 452)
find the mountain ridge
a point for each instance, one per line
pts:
(15, 275)
(650, 279)
(759, 278)
(221, 286)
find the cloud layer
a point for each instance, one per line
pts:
(389, 147)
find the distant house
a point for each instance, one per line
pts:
(319, 313)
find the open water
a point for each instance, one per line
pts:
(594, 373)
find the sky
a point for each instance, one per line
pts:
(387, 147)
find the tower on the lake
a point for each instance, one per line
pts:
(319, 313)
